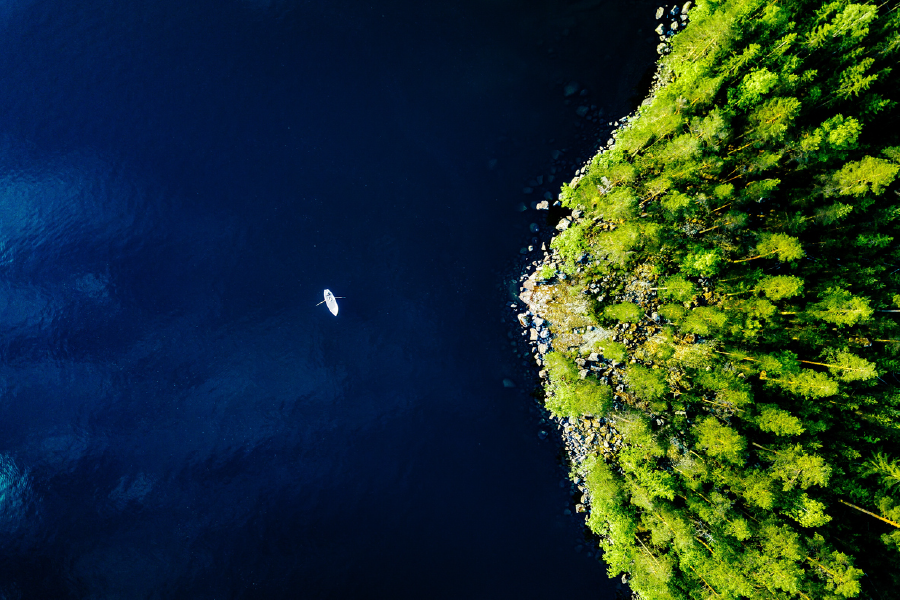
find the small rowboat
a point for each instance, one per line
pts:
(330, 302)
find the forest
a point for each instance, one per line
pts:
(737, 250)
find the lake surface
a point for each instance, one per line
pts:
(179, 181)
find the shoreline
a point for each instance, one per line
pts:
(578, 436)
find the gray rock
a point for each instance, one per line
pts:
(533, 334)
(564, 224)
(548, 195)
(533, 228)
(660, 29)
(523, 319)
(581, 111)
(508, 383)
(539, 179)
(527, 190)
(571, 89)
(686, 7)
(542, 348)
(555, 154)
(538, 321)
(660, 12)
(543, 205)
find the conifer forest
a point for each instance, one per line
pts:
(734, 257)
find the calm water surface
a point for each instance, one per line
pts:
(179, 181)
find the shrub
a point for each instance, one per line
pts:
(672, 312)
(613, 350)
(580, 397)
(677, 288)
(647, 384)
(626, 312)
(560, 368)
(703, 320)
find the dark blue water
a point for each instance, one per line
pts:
(179, 181)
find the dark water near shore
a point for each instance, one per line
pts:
(178, 183)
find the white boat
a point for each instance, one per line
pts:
(330, 302)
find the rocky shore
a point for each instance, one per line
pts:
(550, 317)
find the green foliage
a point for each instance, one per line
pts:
(648, 384)
(840, 307)
(560, 368)
(830, 141)
(546, 272)
(672, 312)
(703, 320)
(786, 247)
(571, 245)
(613, 350)
(778, 421)
(809, 384)
(755, 85)
(720, 441)
(579, 397)
(758, 189)
(677, 288)
(887, 468)
(778, 287)
(869, 175)
(702, 262)
(772, 119)
(849, 367)
(619, 205)
(626, 312)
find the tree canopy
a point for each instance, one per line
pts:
(740, 237)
